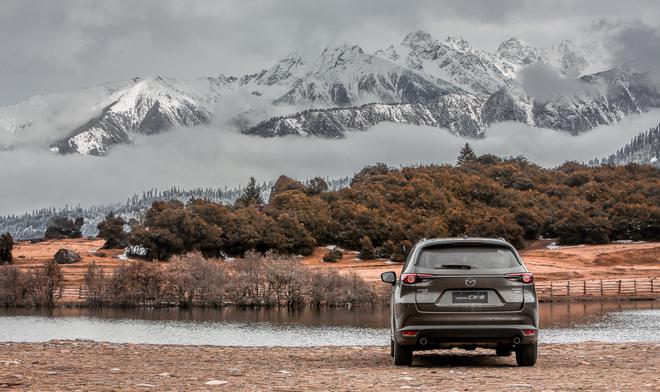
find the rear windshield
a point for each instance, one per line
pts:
(467, 257)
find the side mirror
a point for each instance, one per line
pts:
(388, 277)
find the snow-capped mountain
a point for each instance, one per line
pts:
(420, 81)
(453, 61)
(604, 98)
(145, 107)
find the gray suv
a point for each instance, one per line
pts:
(465, 293)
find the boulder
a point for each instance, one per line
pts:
(66, 256)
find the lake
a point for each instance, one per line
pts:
(630, 321)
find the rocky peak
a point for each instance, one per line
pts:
(419, 40)
(458, 43)
(518, 52)
(340, 55)
(283, 69)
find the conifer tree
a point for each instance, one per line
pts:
(466, 155)
(250, 195)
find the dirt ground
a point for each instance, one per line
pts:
(563, 263)
(82, 366)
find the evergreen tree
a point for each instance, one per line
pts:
(6, 246)
(250, 195)
(466, 155)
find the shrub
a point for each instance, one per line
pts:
(46, 284)
(14, 286)
(367, 251)
(333, 255)
(192, 279)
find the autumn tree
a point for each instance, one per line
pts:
(6, 247)
(316, 186)
(111, 229)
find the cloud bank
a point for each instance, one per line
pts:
(50, 46)
(216, 157)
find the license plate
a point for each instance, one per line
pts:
(469, 297)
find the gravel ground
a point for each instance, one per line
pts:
(89, 366)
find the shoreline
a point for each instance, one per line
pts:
(556, 299)
(82, 365)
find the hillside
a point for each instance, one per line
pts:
(643, 149)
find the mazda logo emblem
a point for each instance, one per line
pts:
(470, 282)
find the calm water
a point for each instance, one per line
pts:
(561, 323)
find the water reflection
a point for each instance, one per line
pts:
(561, 322)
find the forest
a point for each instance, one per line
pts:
(385, 210)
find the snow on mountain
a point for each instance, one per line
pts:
(421, 80)
(590, 101)
(570, 58)
(458, 113)
(454, 62)
(346, 75)
(147, 106)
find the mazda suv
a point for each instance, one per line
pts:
(463, 293)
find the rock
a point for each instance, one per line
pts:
(67, 256)
(216, 382)
(145, 385)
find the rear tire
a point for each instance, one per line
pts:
(526, 354)
(403, 356)
(503, 351)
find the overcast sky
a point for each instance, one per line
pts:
(49, 46)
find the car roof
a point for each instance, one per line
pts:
(464, 240)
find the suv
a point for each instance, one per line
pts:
(465, 293)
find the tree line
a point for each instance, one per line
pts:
(385, 210)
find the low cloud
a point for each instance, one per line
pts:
(545, 84)
(638, 45)
(214, 157)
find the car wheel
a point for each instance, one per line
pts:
(391, 347)
(526, 354)
(503, 351)
(403, 356)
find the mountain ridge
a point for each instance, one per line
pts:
(420, 81)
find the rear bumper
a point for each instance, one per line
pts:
(485, 335)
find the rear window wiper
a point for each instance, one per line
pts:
(455, 266)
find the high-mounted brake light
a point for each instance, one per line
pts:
(412, 278)
(525, 277)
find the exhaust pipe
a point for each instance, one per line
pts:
(516, 340)
(423, 341)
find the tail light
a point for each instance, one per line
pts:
(414, 278)
(525, 277)
(408, 333)
(529, 332)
